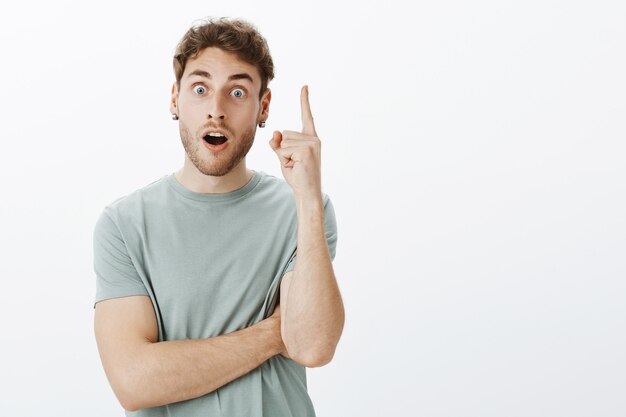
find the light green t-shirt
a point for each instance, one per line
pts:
(211, 264)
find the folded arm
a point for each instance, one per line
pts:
(145, 373)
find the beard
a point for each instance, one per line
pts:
(218, 163)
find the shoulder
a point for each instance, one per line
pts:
(279, 188)
(273, 183)
(129, 205)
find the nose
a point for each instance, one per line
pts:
(216, 109)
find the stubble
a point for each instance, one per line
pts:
(216, 164)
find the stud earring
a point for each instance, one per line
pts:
(174, 116)
(262, 124)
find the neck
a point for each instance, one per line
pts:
(193, 180)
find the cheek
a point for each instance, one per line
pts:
(254, 108)
(195, 105)
(243, 111)
(192, 110)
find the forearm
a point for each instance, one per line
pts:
(167, 372)
(313, 317)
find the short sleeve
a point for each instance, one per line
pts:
(330, 226)
(116, 276)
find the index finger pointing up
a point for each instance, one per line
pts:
(308, 128)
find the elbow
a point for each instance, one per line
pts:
(129, 406)
(315, 355)
(131, 401)
(314, 358)
(128, 393)
(127, 399)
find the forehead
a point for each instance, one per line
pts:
(220, 65)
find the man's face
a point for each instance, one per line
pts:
(219, 95)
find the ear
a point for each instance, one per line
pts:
(264, 111)
(174, 100)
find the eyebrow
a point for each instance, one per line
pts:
(205, 74)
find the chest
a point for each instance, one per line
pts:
(210, 273)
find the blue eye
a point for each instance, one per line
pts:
(238, 92)
(199, 89)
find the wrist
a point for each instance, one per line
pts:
(271, 327)
(311, 203)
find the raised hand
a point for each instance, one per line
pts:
(300, 153)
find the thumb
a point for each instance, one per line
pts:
(277, 138)
(284, 155)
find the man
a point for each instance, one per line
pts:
(203, 304)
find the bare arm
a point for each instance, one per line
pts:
(312, 310)
(145, 373)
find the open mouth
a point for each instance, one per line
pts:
(215, 138)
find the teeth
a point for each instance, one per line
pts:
(217, 135)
